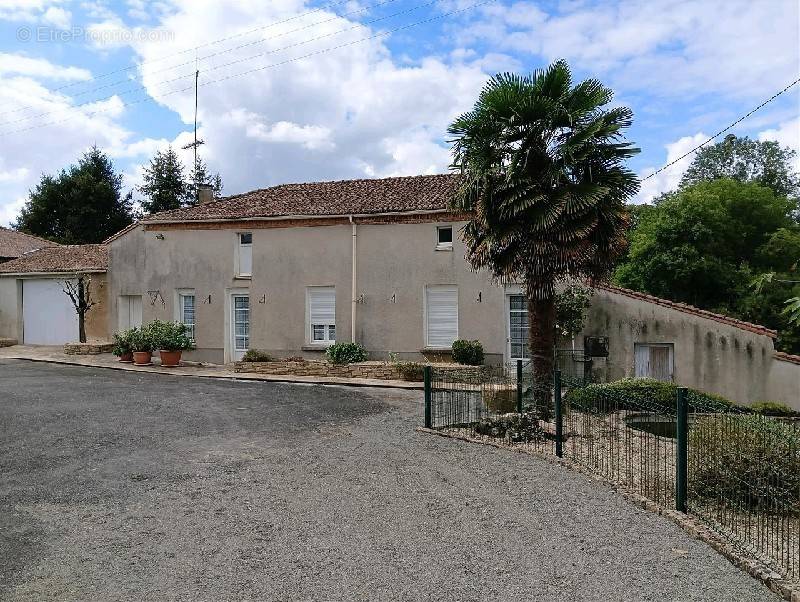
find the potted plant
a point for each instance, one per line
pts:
(141, 346)
(122, 346)
(171, 340)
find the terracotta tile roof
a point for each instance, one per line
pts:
(14, 244)
(61, 259)
(690, 309)
(344, 197)
(787, 357)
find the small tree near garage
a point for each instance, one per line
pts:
(79, 291)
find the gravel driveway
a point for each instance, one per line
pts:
(124, 486)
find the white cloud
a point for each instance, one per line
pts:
(308, 136)
(17, 64)
(669, 179)
(58, 17)
(27, 154)
(30, 10)
(351, 112)
(677, 47)
(786, 134)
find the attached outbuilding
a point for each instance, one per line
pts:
(34, 307)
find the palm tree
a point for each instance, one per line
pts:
(544, 177)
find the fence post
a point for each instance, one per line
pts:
(426, 377)
(559, 414)
(519, 386)
(682, 451)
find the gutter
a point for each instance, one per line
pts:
(49, 274)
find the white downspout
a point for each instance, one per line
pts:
(353, 285)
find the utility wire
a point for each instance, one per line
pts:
(216, 67)
(257, 69)
(722, 131)
(213, 54)
(205, 45)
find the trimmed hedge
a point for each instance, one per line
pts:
(642, 394)
(773, 408)
(750, 460)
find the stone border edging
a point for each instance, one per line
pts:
(692, 525)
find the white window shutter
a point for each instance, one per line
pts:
(322, 305)
(245, 260)
(442, 315)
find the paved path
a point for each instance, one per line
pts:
(130, 486)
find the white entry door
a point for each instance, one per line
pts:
(240, 326)
(129, 311)
(48, 316)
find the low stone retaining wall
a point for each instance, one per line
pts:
(88, 348)
(379, 370)
(376, 370)
(7, 342)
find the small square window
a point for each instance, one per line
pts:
(246, 238)
(319, 332)
(444, 237)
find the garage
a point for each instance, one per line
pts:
(35, 310)
(48, 317)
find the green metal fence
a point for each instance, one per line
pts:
(737, 472)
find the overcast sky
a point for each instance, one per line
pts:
(295, 90)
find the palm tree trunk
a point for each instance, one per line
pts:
(542, 339)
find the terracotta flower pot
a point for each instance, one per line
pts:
(170, 359)
(142, 358)
(126, 358)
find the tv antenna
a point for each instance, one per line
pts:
(196, 143)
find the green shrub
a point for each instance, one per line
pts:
(773, 408)
(469, 353)
(411, 371)
(256, 355)
(747, 460)
(642, 394)
(122, 343)
(346, 353)
(169, 336)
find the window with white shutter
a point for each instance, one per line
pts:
(654, 360)
(245, 254)
(441, 316)
(321, 315)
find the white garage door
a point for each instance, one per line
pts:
(48, 317)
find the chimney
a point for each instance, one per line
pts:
(205, 194)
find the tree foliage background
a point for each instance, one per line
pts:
(82, 204)
(165, 184)
(732, 220)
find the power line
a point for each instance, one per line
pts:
(262, 68)
(722, 131)
(208, 56)
(205, 45)
(228, 64)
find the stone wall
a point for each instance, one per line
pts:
(87, 348)
(376, 370)
(379, 370)
(7, 342)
